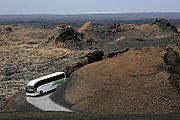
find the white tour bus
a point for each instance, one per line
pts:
(45, 84)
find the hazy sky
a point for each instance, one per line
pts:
(86, 6)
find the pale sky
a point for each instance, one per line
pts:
(86, 6)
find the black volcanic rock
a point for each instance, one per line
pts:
(95, 56)
(67, 36)
(165, 24)
(88, 58)
(171, 57)
(64, 33)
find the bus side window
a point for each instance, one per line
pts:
(39, 83)
(62, 76)
(51, 79)
(46, 81)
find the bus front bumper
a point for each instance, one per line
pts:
(33, 94)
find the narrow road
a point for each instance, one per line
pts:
(44, 103)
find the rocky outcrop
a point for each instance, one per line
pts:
(165, 24)
(64, 33)
(88, 58)
(65, 36)
(172, 60)
(95, 56)
(91, 34)
(114, 28)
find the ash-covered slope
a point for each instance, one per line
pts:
(134, 83)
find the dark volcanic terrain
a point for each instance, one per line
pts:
(112, 69)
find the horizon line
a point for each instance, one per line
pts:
(85, 13)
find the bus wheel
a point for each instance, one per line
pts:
(41, 92)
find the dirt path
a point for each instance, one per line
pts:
(45, 104)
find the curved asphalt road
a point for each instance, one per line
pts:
(44, 103)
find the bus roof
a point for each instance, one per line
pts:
(32, 82)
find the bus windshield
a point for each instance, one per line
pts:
(30, 89)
